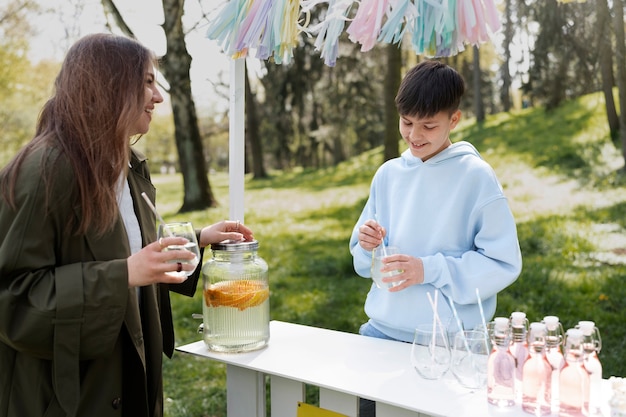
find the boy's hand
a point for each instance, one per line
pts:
(371, 234)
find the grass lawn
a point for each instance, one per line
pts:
(558, 171)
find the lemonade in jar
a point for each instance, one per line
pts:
(236, 309)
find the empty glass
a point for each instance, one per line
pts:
(186, 230)
(430, 353)
(470, 352)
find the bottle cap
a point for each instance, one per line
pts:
(537, 326)
(552, 322)
(501, 323)
(574, 335)
(518, 317)
(587, 327)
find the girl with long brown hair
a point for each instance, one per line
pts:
(84, 291)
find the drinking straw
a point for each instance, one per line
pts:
(435, 317)
(482, 315)
(382, 239)
(480, 307)
(437, 320)
(458, 322)
(156, 213)
(434, 307)
(433, 304)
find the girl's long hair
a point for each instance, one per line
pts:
(99, 96)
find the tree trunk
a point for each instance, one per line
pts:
(175, 68)
(505, 94)
(605, 57)
(392, 83)
(479, 108)
(620, 55)
(252, 133)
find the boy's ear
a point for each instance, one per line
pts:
(454, 119)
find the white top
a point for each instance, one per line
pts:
(127, 211)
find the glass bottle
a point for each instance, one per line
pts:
(501, 366)
(519, 348)
(574, 379)
(554, 354)
(537, 374)
(236, 307)
(592, 343)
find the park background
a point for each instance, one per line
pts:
(543, 108)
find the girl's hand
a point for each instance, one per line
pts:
(225, 230)
(150, 264)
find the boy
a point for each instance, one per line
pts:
(443, 207)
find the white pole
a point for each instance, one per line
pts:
(236, 140)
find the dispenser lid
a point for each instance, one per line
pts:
(236, 245)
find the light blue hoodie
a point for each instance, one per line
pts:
(451, 212)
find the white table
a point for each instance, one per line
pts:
(344, 366)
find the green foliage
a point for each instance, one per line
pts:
(303, 220)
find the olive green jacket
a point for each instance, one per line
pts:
(74, 339)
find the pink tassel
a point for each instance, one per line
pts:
(367, 23)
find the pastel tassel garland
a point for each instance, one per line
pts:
(437, 28)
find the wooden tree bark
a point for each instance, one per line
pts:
(620, 55)
(175, 67)
(505, 94)
(392, 83)
(479, 107)
(605, 57)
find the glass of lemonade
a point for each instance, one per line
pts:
(378, 254)
(186, 230)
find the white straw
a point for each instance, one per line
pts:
(156, 213)
(482, 316)
(458, 322)
(480, 307)
(382, 239)
(435, 317)
(436, 320)
(434, 307)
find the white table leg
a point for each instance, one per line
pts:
(245, 392)
(284, 396)
(339, 402)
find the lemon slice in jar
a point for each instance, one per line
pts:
(240, 294)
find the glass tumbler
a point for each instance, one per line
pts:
(470, 352)
(430, 353)
(186, 230)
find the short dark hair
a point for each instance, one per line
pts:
(429, 88)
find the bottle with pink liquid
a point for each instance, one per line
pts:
(592, 343)
(554, 354)
(501, 366)
(519, 348)
(537, 374)
(574, 378)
